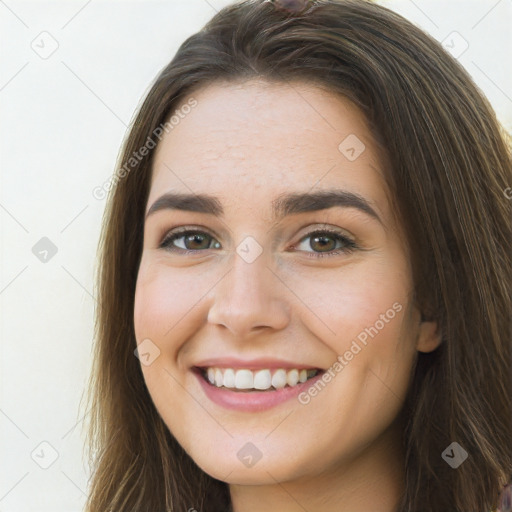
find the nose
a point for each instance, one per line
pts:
(249, 298)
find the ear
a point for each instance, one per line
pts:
(429, 336)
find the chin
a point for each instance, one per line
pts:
(228, 467)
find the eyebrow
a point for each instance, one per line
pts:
(284, 205)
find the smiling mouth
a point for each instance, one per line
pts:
(247, 381)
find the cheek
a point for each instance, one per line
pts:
(164, 313)
(164, 302)
(361, 313)
(363, 301)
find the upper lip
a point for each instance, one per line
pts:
(252, 364)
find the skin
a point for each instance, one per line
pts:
(247, 143)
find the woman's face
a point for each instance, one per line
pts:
(274, 284)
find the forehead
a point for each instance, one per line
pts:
(249, 141)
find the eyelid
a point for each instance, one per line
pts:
(312, 228)
(167, 233)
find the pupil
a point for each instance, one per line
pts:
(195, 239)
(322, 239)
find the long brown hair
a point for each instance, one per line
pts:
(448, 167)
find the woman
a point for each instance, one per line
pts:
(341, 341)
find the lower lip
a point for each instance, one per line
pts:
(253, 401)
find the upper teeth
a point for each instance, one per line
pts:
(260, 379)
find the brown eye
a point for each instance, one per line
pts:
(327, 243)
(193, 240)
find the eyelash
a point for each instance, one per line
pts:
(350, 245)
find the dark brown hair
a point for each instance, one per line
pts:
(448, 165)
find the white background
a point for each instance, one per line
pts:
(63, 119)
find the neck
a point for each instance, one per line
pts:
(374, 480)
